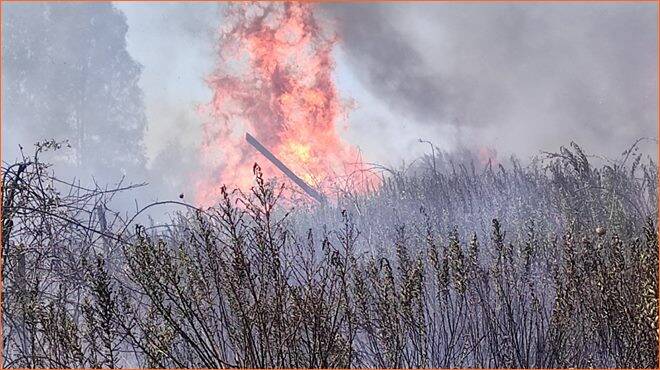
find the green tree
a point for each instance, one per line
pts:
(67, 75)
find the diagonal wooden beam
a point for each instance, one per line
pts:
(271, 157)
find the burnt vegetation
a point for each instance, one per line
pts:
(550, 264)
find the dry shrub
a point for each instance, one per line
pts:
(443, 268)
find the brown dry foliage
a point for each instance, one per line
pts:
(247, 284)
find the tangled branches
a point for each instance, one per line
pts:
(562, 274)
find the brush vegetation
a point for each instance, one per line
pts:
(549, 264)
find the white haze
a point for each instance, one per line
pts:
(519, 78)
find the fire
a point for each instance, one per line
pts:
(299, 151)
(273, 79)
(486, 155)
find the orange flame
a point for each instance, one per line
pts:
(274, 80)
(487, 155)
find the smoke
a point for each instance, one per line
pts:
(175, 42)
(67, 76)
(518, 78)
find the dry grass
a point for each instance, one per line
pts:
(446, 267)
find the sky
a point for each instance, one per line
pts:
(175, 43)
(517, 78)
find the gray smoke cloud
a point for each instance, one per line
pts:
(518, 77)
